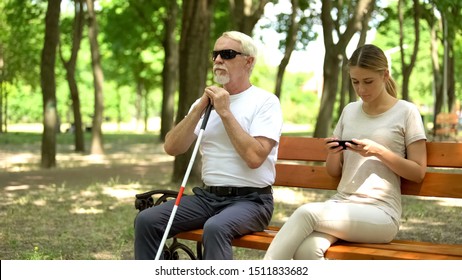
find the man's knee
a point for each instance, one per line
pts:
(216, 232)
(146, 221)
(214, 229)
(141, 218)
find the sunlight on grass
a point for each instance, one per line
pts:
(90, 210)
(17, 188)
(130, 192)
(289, 196)
(445, 201)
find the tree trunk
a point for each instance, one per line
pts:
(194, 60)
(451, 34)
(48, 83)
(119, 108)
(2, 74)
(1, 104)
(170, 71)
(246, 14)
(291, 40)
(344, 85)
(70, 75)
(407, 68)
(329, 91)
(146, 109)
(5, 111)
(346, 82)
(98, 79)
(437, 73)
(334, 56)
(138, 101)
(451, 77)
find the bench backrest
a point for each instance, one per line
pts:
(451, 119)
(301, 163)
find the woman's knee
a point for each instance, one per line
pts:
(314, 246)
(309, 252)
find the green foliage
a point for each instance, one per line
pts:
(133, 33)
(306, 16)
(221, 20)
(300, 106)
(458, 67)
(24, 103)
(420, 88)
(21, 40)
(132, 56)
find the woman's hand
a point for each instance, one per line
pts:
(366, 147)
(334, 159)
(332, 147)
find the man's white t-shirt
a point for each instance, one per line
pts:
(259, 114)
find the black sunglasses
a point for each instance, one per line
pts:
(225, 54)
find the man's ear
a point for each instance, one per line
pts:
(250, 60)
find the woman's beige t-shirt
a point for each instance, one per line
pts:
(366, 179)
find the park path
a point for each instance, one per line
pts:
(86, 175)
(144, 163)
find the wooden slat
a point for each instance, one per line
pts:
(441, 154)
(351, 252)
(435, 184)
(258, 241)
(312, 149)
(304, 176)
(413, 246)
(397, 249)
(301, 148)
(193, 235)
(316, 177)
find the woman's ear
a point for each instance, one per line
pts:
(386, 75)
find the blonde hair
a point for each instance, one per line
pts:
(373, 58)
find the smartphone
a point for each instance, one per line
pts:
(342, 143)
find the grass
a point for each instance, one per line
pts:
(83, 209)
(64, 222)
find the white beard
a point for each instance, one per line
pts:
(221, 79)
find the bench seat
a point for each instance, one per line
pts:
(397, 249)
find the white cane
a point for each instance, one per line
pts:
(185, 179)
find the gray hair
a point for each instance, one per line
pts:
(248, 45)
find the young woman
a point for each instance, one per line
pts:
(389, 144)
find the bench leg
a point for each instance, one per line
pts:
(172, 252)
(199, 250)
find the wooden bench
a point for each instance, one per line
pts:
(301, 165)
(446, 126)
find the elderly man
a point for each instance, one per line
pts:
(239, 152)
